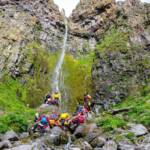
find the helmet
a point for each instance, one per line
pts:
(56, 91)
(37, 115)
(64, 116)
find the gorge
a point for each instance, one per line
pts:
(103, 49)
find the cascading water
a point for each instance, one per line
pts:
(56, 75)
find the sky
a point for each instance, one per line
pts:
(69, 5)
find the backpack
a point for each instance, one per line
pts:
(44, 120)
(54, 116)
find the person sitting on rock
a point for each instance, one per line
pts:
(53, 120)
(76, 121)
(41, 124)
(48, 99)
(36, 118)
(56, 97)
(64, 119)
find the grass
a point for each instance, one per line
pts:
(139, 113)
(109, 122)
(15, 115)
(16, 95)
(39, 83)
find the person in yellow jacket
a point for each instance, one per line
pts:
(63, 119)
(56, 96)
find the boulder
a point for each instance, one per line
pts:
(110, 145)
(95, 140)
(80, 131)
(125, 146)
(24, 135)
(86, 146)
(144, 146)
(5, 144)
(11, 136)
(57, 137)
(138, 129)
(91, 127)
(22, 147)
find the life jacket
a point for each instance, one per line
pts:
(81, 119)
(64, 116)
(52, 122)
(79, 109)
(44, 120)
(56, 96)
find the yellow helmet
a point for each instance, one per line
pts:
(64, 116)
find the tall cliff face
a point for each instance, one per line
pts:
(92, 17)
(136, 15)
(88, 22)
(23, 22)
(122, 66)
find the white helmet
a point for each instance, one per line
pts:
(37, 115)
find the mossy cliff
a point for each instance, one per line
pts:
(121, 64)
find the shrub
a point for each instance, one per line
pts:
(17, 122)
(77, 79)
(113, 40)
(109, 122)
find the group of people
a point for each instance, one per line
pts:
(54, 99)
(63, 120)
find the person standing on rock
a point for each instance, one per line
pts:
(87, 101)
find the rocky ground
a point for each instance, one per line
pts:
(86, 137)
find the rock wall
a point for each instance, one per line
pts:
(91, 18)
(117, 74)
(25, 21)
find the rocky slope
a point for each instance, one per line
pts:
(118, 74)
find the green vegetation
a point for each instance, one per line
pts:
(77, 78)
(140, 109)
(113, 41)
(109, 122)
(43, 65)
(14, 114)
(16, 96)
(139, 113)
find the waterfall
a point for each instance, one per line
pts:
(56, 75)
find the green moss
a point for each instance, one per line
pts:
(109, 122)
(15, 115)
(114, 41)
(40, 82)
(77, 78)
